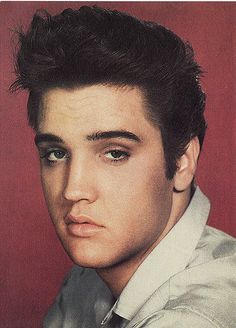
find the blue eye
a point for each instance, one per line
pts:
(54, 156)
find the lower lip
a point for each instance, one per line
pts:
(83, 229)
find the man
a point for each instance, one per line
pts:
(117, 109)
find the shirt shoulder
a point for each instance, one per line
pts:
(203, 294)
(212, 245)
(180, 317)
(207, 287)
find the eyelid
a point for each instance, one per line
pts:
(51, 148)
(124, 153)
(124, 156)
(115, 146)
(45, 156)
(110, 149)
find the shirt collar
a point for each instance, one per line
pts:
(169, 257)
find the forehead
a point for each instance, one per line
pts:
(96, 106)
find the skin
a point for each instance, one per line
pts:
(117, 181)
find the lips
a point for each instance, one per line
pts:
(82, 226)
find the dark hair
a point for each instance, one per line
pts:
(92, 45)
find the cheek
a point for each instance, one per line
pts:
(135, 186)
(140, 203)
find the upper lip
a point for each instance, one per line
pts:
(80, 219)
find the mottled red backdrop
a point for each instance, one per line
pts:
(33, 262)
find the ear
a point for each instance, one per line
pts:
(187, 165)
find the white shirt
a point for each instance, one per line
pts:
(187, 281)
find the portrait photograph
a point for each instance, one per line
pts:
(117, 164)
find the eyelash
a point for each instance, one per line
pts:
(123, 154)
(50, 152)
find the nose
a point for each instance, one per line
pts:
(80, 182)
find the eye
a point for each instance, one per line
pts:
(117, 155)
(54, 156)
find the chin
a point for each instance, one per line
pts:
(86, 254)
(87, 261)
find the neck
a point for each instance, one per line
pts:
(116, 277)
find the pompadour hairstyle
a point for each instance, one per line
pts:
(93, 45)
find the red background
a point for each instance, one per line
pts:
(33, 262)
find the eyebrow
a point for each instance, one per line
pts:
(113, 134)
(99, 135)
(47, 137)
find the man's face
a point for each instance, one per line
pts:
(103, 174)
